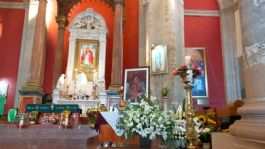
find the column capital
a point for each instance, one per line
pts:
(118, 2)
(227, 5)
(64, 6)
(61, 21)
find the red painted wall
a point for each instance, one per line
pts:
(131, 34)
(11, 29)
(52, 32)
(201, 4)
(205, 32)
(12, 0)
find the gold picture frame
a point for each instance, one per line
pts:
(197, 56)
(159, 59)
(86, 57)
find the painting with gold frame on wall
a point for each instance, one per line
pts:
(159, 59)
(196, 56)
(86, 57)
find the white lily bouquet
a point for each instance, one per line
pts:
(147, 120)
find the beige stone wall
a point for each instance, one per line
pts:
(165, 26)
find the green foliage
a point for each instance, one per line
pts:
(164, 91)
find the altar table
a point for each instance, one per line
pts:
(47, 137)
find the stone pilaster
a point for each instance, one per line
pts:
(229, 43)
(252, 123)
(144, 52)
(62, 22)
(117, 53)
(166, 26)
(26, 46)
(32, 91)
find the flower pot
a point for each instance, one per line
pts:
(206, 145)
(145, 142)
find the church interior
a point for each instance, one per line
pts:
(132, 74)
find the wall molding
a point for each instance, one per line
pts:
(13, 5)
(231, 8)
(197, 12)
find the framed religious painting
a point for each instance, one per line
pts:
(196, 56)
(159, 59)
(136, 84)
(86, 57)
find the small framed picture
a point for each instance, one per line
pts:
(159, 59)
(136, 83)
(196, 56)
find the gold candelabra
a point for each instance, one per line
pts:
(190, 131)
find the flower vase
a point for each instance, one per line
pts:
(206, 145)
(145, 142)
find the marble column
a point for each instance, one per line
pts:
(26, 46)
(117, 53)
(229, 43)
(252, 124)
(166, 27)
(32, 91)
(62, 22)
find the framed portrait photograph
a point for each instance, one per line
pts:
(136, 83)
(196, 56)
(159, 59)
(86, 56)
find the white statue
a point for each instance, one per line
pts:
(60, 83)
(71, 89)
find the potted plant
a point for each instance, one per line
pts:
(164, 91)
(33, 117)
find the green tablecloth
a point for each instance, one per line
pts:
(2, 104)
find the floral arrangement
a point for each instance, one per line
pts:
(92, 113)
(205, 124)
(186, 73)
(147, 120)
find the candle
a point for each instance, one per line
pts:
(95, 75)
(187, 60)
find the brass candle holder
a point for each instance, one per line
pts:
(187, 75)
(189, 114)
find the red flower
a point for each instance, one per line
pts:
(184, 67)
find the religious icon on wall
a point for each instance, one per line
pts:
(86, 56)
(159, 59)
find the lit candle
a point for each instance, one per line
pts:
(187, 60)
(95, 75)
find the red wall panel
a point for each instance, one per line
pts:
(11, 29)
(201, 4)
(131, 34)
(205, 32)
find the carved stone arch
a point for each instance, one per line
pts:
(96, 21)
